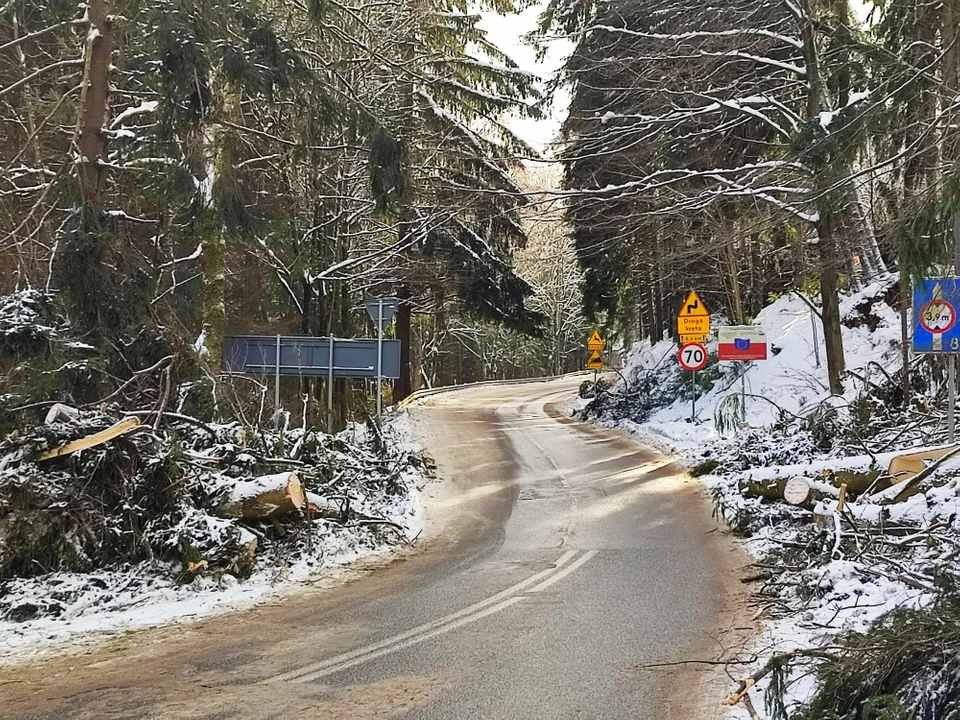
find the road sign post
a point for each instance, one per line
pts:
(742, 344)
(816, 343)
(381, 311)
(379, 357)
(693, 397)
(693, 357)
(276, 384)
(330, 387)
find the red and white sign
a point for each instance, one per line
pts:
(693, 356)
(741, 343)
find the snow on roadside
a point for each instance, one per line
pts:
(64, 609)
(842, 594)
(789, 380)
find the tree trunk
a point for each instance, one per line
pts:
(220, 154)
(950, 73)
(307, 305)
(263, 497)
(402, 387)
(733, 276)
(829, 287)
(213, 261)
(94, 99)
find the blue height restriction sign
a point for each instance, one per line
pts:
(935, 305)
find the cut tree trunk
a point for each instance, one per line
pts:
(766, 489)
(804, 492)
(799, 491)
(264, 497)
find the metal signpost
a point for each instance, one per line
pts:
(693, 357)
(381, 311)
(936, 330)
(693, 326)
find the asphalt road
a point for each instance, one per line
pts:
(562, 559)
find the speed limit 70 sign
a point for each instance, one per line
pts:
(693, 356)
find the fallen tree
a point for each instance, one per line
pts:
(85, 492)
(264, 497)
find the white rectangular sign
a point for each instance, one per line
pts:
(741, 342)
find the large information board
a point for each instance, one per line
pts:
(310, 356)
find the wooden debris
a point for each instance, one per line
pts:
(914, 485)
(245, 554)
(321, 507)
(800, 491)
(116, 430)
(264, 497)
(904, 467)
(61, 413)
(194, 567)
(843, 498)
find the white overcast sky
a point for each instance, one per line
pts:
(507, 33)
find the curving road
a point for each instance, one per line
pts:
(562, 558)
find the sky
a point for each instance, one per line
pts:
(507, 33)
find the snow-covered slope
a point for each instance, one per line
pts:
(790, 380)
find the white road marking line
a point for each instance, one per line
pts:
(563, 573)
(412, 641)
(427, 627)
(346, 664)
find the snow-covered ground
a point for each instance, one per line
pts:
(793, 378)
(60, 610)
(843, 592)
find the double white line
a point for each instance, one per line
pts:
(493, 604)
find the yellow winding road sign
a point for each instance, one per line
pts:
(693, 321)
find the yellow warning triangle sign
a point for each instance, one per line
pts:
(693, 306)
(595, 362)
(595, 342)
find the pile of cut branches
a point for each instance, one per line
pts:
(90, 491)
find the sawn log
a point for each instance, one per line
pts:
(264, 497)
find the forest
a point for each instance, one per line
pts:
(756, 147)
(175, 172)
